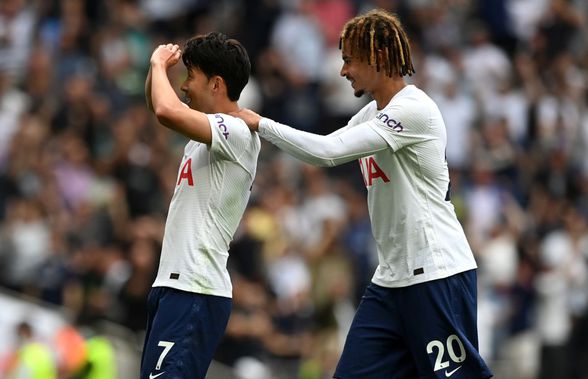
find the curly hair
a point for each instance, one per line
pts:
(379, 30)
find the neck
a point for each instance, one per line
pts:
(387, 89)
(225, 106)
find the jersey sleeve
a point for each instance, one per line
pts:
(231, 139)
(349, 143)
(405, 123)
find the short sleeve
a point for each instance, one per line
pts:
(230, 136)
(403, 124)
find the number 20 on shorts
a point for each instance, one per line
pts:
(456, 356)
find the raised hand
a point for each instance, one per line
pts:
(166, 55)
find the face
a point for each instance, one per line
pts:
(362, 76)
(197, 89)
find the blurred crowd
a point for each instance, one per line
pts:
(86, 172)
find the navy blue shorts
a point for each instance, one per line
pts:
(426, 330)
(183, 331)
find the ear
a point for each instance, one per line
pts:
(217, 83)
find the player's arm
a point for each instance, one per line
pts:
(331, 150)
(341, 146)
(148, 91)
(168, 108)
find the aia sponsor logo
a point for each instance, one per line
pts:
(186, 170)
(186, 173)
(371, 171)
(390, 122)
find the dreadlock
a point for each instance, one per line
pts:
(377, 31)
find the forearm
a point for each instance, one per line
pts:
(320, 150)
(163, 97)
(172, 113)
(148, 90)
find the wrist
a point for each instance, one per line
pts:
(158, 65)
(261, 123)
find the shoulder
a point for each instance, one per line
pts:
(410, 102)
(410, 110)
(364, 114)
(226, 119)
(411, 95)
(228, 124)
(229, 130)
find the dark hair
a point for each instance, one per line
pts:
(376, 31)
(216, 54)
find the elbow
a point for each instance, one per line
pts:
(320, 162)
(328, 163)
(163, 113)
(329, 156)
(149, 103)
(325, 158)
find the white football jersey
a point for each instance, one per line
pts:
(414, 224)
(401, 153)
(212, 191)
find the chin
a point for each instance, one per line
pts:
(359, 93)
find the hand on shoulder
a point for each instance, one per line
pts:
(251, 118)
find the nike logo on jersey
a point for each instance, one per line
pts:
(151, 376)
(449, 373)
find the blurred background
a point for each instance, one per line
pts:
(86, 175)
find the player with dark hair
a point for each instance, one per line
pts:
(417, 319)
(217, 55)
(190, 302)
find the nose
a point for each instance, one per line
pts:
(343, 71)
